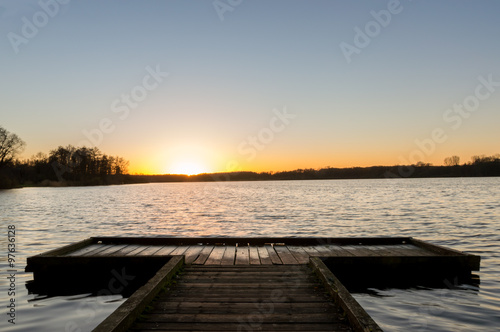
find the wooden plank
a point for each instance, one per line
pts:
(275, 259)
(225, 296)
(166, 250)
(358, 317)
(204, 254)
(242, 281)
(166, 304)
(360, 251)
(410, 250)
(192, 253)
(299, 253)
(261, 268)
(124, 251)
(242, 255)
(150, 251)
(247, 289)
(257, 299)
(138, 250)
(311, 251)
(215, 257)
(180, 250)
(101, 247)
(333, 250)
(229, 255)
(439, 250)
(84, 250)
(231, 318)
(123, 318)
(65, 250)
(204, 307)
(285, 255)
(250, 274)
(254, 255)
(264, 256)
(252, 240)
(389, 251)
(110, 250)
(240, 326)
(207, 295)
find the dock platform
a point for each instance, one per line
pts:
(243, 284)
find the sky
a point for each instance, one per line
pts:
(254, 85)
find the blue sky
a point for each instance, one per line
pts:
(227, 79)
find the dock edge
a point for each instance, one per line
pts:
(126, 314)
(359, 319)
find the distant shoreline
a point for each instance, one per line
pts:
(482, 169)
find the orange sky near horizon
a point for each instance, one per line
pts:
(177, 87)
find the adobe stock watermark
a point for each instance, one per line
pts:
(121, 106)
(454, 117)
(31, 26)
(251, 146)
(372, 29)
(254, 320)
(254, 143)
(124, 104)
(223, 6)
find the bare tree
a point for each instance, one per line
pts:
(10, 146)
(452, 161)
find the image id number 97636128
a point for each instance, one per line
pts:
(11, 274)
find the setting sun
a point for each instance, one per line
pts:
(187, 168)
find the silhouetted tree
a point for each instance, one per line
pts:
(10, 146)
(452, 161)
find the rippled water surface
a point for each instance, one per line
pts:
(462, 213)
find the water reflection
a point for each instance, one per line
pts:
(463, 214)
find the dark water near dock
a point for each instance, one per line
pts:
(462, 213)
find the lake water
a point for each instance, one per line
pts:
(462, 213)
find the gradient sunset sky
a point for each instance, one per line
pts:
(258, 85)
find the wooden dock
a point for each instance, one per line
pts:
(243, 284)
(248, 298)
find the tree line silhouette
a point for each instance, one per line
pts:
(480, 166)
(73, 166)
(61, 167)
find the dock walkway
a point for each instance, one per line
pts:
(250, 254)
(245, 298)
(242, 284)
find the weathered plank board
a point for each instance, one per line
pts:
(105, 248)
(254, 255)
(244, 272)
(204, 254)
(180, 250)
(83, 251)
(229, 256)
(216, 255)
(231, 318)
(242, 255)
(244, 326)
(275, 259)
(124, 251)
(283, 298)
(264, 256)
(137, 251)
(192, 253)
(285, 255)
(150, 250)
(299, 253)
(166, 250)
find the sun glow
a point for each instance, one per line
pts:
(187, 168)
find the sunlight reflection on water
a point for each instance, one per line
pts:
(462, 213)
